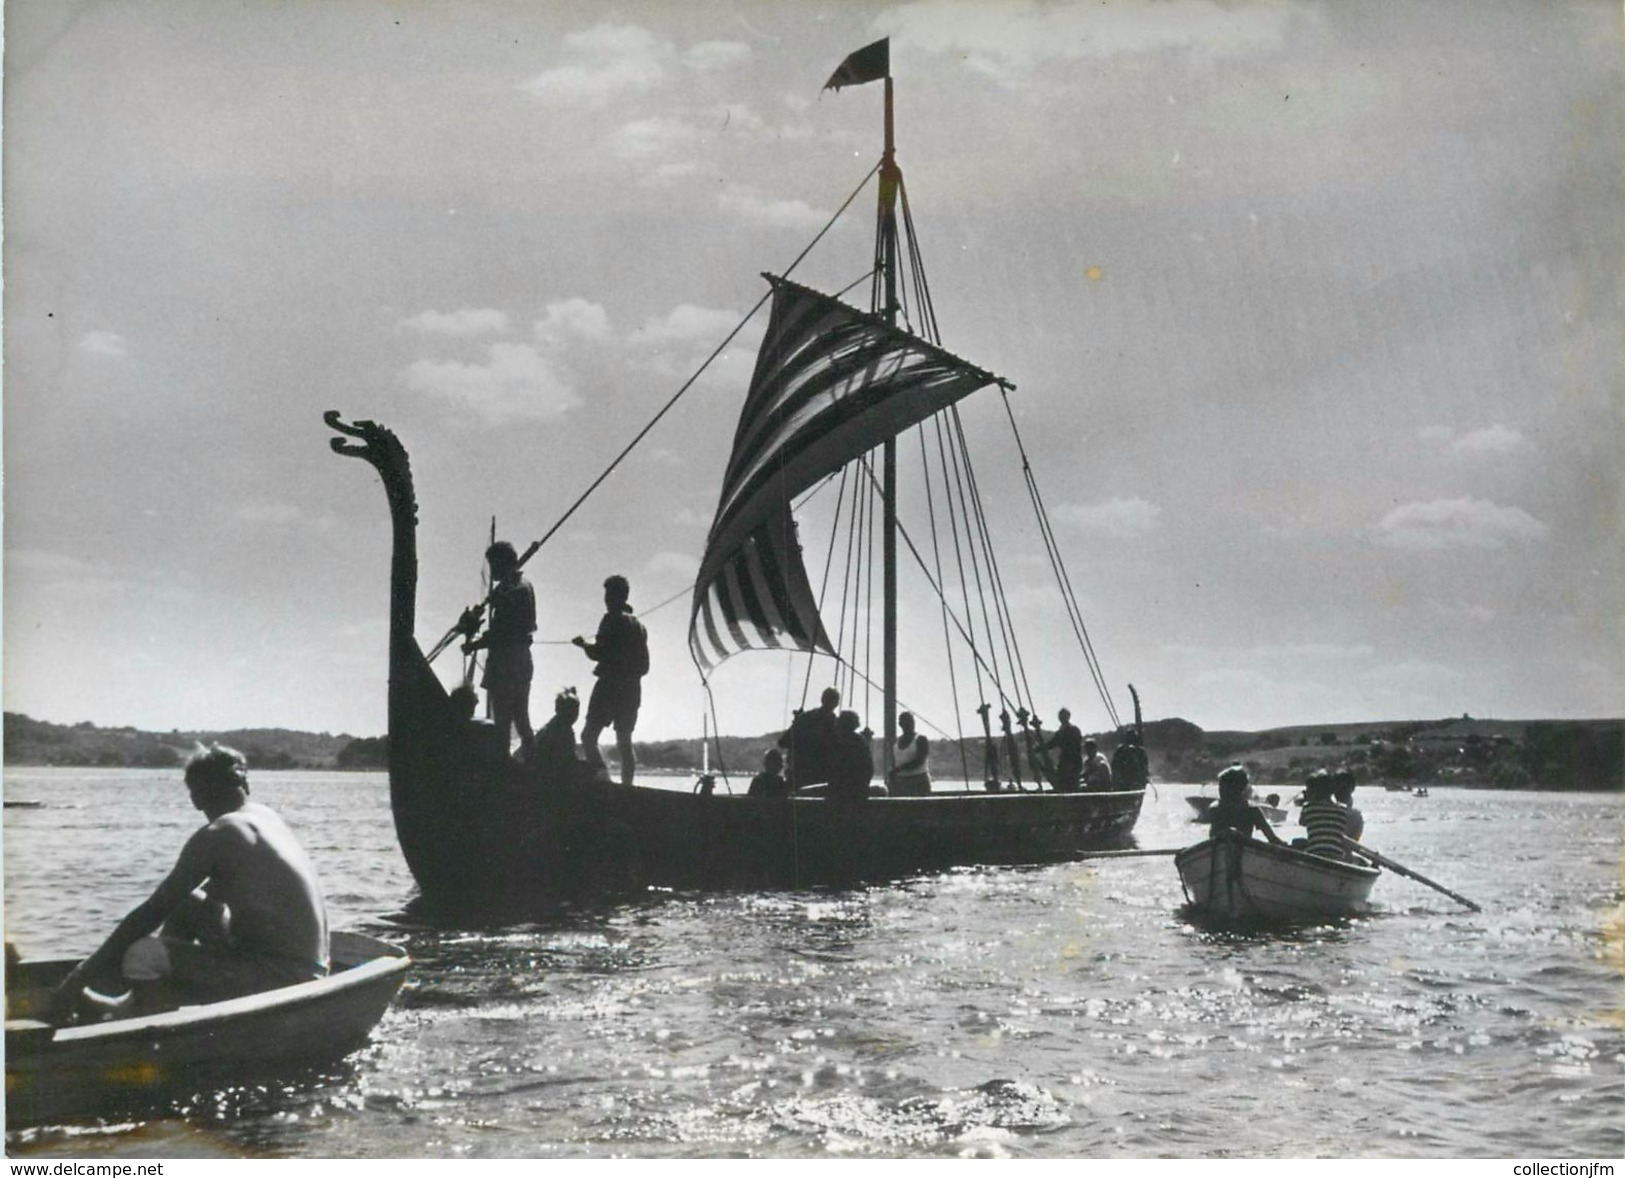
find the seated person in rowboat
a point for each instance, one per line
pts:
(1069, 761)
(911, 775)
(1234, 814)
(852, 765)
(555, 749)
(770, 782)
(1325, 820)
(1097, 772)
(809, 740)
(1343, 791)
(240, 912)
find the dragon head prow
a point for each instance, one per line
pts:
(378, 444)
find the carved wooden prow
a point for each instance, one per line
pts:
(380, 447)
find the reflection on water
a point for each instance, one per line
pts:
(1063, 1011)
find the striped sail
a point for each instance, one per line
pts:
(831, 384)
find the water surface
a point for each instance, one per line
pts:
(1054, 1012)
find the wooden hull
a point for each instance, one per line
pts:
(103, 1069)
(483, 834)
(1239, 880)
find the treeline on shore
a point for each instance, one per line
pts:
(1511, 754)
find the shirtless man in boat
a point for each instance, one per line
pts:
(240, 912)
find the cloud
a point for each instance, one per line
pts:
(518, 384)
(42, 563)
(687, 324)
(785, 214)
(1114, 517)
(104, 343)
(1488, 442)
(664, 175)
(68, 578)
(687, 517)
(1317, 652)
(716, 55)
(1460, 609)
(1008, 41)
(647, 138)
(467, 322)
(1492, 440)
(1456, 523)
(574, 317)
(1411, 675)
(1272, 659)
(608, 61)
(674, 564)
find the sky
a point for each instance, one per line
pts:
(1313, 312)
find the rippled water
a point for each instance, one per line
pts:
(1063, 1011)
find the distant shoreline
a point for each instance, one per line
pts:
(1549, 755)
(739, 780)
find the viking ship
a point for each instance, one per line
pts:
(834, 389)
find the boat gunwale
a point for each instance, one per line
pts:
(388, 961)
(1289, 855)
(874, 799)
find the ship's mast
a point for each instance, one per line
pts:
(886, 249)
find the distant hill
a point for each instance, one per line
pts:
(1548, 754)
(37, 742)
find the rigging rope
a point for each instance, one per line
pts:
(947, 638)
(536, 545)
(1052, 548)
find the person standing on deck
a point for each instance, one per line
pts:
(508, 666)
(621, 650)
(240, 912)
(1069, 764)
(810, 740)
(1130, 769)
(911, 775)
(1097, 773)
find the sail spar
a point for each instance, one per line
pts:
(831, 384)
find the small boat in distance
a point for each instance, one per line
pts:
(1240, 880)
(1203, 804)
(123, 1065)
(834, 388)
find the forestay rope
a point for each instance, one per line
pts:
(470, 618)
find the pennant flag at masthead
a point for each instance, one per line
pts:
(869, 64)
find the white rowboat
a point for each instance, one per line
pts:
(1237, 879)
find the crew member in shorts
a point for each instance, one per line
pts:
(621, 650)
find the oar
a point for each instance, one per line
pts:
(1400, 869)
(1130, 854)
